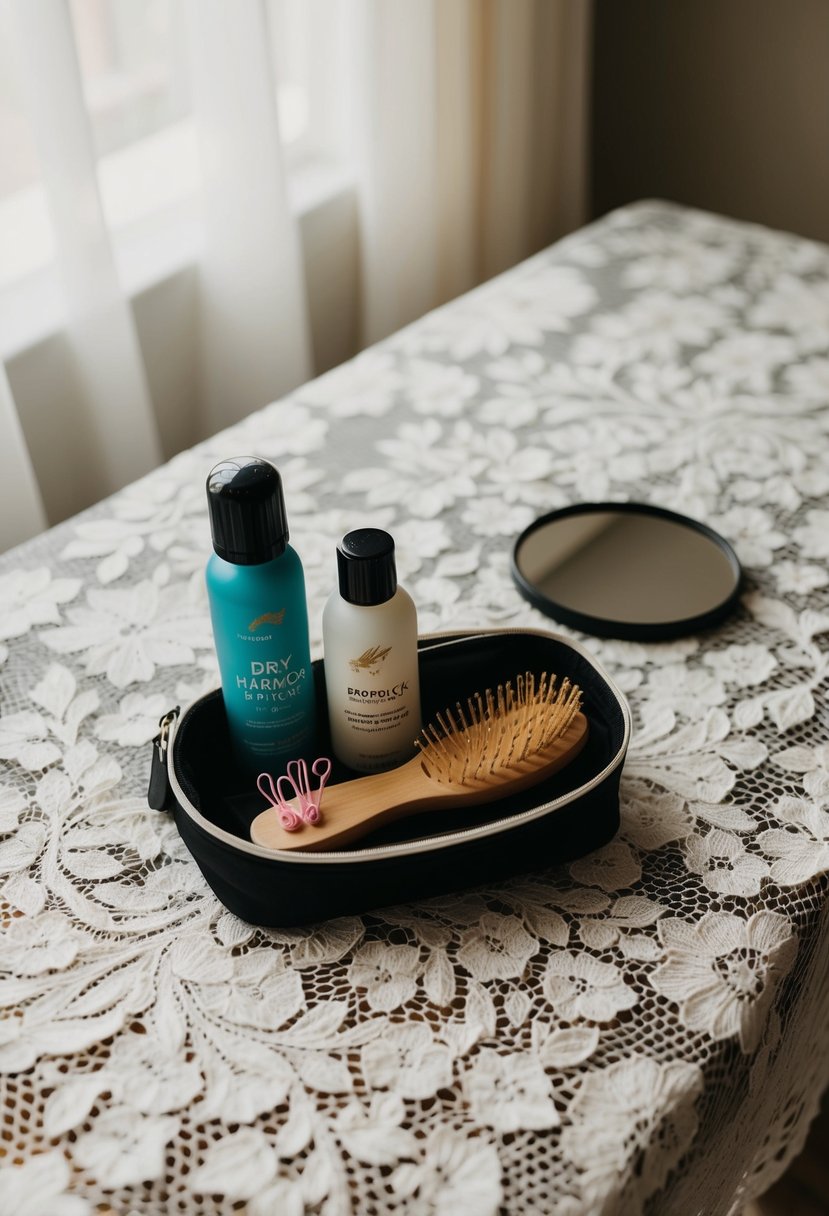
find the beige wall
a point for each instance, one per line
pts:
(722, 104)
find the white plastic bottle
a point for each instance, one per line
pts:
(369, 628)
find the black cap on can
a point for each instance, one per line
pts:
(366, 566)
(247, 511)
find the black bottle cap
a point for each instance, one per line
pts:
(366, 566)
(247, 511)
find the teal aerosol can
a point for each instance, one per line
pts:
(256, 589)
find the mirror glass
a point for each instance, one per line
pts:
(625, 570)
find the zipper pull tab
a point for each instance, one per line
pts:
(159, 793)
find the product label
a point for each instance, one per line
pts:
(373, 696)
(276, 695)
(267, 618)
(370, 661)
(272, 681)
(379, 694)
(256, 631)
(377, 723)
(373, 725)
(377, 711)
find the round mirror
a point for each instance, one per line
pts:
(624, 570)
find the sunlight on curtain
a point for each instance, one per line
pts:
(156, 159)
(254, 315)
(99, 326)
(395, 140)
(116, 148)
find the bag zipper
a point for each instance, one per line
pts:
(426, 844)
(159, 791)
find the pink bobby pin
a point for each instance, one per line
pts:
(321, 768)
(306, 803)
(288, 817)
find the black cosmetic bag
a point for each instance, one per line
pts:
(569, 814)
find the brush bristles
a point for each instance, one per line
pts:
(499, 731)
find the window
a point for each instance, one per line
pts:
(134, 70)
(26, 238)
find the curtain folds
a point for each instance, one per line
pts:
(395, 139)
(466, 145)
(254, 338)
(23, 514)
(105, 356)
(472, 122)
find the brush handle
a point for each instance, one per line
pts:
(354, 808)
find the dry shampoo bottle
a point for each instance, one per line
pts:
(370, 638)
(256, 590)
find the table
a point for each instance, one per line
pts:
(643, 1030)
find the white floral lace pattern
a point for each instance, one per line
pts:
(642, 1030)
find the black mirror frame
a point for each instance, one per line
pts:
(604, 627)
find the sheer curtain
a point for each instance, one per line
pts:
(461, 134)
(471, 130)
(254, 314)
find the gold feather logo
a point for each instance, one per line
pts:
(370, 660)
(267, 618)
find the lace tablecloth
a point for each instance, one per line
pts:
(643, 1030)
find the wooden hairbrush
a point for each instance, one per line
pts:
(501, 743)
